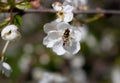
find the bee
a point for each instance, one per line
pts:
(65, 36)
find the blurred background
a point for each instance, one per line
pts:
(97, 62)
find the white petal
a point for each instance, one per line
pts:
(68, 17)
(76, 35)
(51, 39)
(8, 28)
(63, 26)
(6, 69)
(57, 7)
(67, 8)
(54, 35)
(59, 20)
(83, 2)
(50, 26)
(72, 47)
(48, 43)
(68, 0)
(12, 36)
(58, 48)
(6, 66)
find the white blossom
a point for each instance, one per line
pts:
(5, 68)
(115, 74)
(64, 13)
(10, 33)
(63, 39)
(77, 62)
(77, 3)
(51, 77)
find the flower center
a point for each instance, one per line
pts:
(9, 32)
(65, 36)
(60, 14)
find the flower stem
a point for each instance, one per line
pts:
(11, 16)
(4, 50)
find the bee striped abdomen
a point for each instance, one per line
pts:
(66, 36)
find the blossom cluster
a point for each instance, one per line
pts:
(63, 37)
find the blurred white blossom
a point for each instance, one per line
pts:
(44, 59)
(10, 33)
(50, 78)
(79, 76)
(84, 31)
(63, 39)
(24, 62)
(28, 48)
(42, 76)
(115, 75)
(91, 41)
(64, 13)
(77, 62)
(37, 73)
(107, 42)
(81, 4)
(5, 68)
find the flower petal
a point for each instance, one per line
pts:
(6, 66)
(6, 69)
(58, 48)
(72, 47)
(68, 17)
(63, 26)
(67, 8)
(57, 6)
(13, 36)
(50, 26)
(58, 20)
(8, 28)
(51, 39)
(76, 34)
(49, 43)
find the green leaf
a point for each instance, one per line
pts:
(18, 20)
(24, 5)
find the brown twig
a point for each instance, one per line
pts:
(75, 11)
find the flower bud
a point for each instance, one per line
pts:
(35, 4)
(10, 33)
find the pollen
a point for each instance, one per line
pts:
(60, 14)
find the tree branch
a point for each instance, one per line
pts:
(75, 11)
